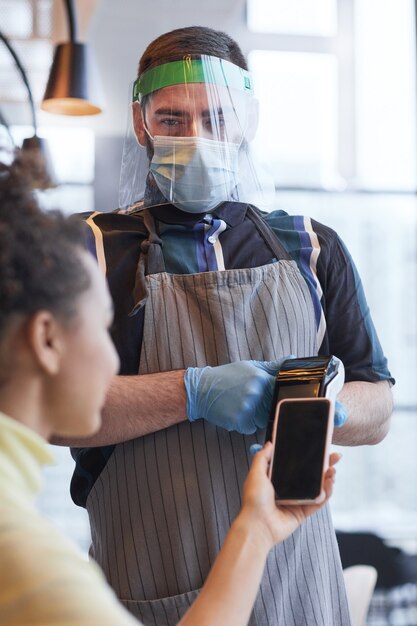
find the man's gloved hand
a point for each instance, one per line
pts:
(236, 396)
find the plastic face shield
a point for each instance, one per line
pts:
(188, 138)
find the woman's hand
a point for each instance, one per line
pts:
(230, 590)
(277, 521)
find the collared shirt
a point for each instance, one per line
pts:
(44, 580)
(227, 239)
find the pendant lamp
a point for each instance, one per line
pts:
(34, 153)
(73, 86)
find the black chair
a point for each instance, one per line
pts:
(394, 567)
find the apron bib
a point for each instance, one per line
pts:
(163, 504)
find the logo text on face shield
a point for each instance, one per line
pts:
(193, 173)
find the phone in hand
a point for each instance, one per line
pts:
(301, 438)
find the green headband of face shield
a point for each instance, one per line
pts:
(211, 70)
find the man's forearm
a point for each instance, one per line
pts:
(136, 406)
(369, 407)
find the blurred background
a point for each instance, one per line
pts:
(336, 81)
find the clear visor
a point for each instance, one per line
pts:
(187, 143)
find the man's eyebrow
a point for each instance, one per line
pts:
(180, 113)
(210, 112)
(170, 111)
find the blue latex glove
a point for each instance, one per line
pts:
(340, 414)
(254, 448)
(236, 396)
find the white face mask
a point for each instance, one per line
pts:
(193, 173)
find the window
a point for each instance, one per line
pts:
(337, 103)
(385, 95)
(298, 123)
(28, 26)
(304, 17)
(336, 83)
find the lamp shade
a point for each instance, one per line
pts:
(35, 156)
(72, 87)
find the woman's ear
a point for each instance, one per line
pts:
(138, 124)
(47, 341)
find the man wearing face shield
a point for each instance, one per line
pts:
(194, 115)
(200, 276)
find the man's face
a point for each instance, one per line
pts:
(194, 109)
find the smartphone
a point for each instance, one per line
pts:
(301, 439)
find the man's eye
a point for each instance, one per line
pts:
(215, 122)
(169, 122)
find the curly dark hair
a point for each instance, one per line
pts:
(41, 265)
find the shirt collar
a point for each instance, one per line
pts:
(233, 213)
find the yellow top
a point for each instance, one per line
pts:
(44, 579)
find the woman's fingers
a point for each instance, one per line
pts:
(334, 458)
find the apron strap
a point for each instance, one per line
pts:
(152, 246)
(151, 261)
(267, 234)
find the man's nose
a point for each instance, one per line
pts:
(202, 126)
(195, 127)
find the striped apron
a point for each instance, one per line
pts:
(162, 506)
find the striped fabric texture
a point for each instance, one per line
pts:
(159, 506)
(163, 503)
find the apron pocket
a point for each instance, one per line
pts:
(163, 612)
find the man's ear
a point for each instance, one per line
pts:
(138, 124)
(47, 341)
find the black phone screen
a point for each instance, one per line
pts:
(299, 449)
(309, 389)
